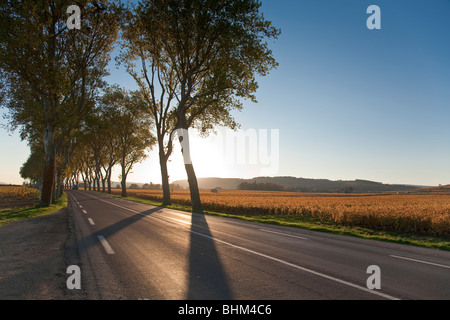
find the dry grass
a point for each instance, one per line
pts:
(418, 214)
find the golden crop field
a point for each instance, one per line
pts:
(14, 193)
(421, 214)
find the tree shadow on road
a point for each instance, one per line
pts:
(207, 277)
(122, 224)
(80, 240)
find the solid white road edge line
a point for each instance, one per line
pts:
(284, 234)
(420, 261)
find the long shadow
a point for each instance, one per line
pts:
(83, 242)
(207, 278)
(112, 229)
(122, 224)
(81, 239)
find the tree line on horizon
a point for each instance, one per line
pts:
(194, 62)
(270, 186)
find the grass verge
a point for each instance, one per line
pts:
(10, 215)
(440, 243)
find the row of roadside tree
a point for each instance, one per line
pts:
(194, 62)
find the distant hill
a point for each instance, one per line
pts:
(435, 190)
(211, 183)
(299, 184)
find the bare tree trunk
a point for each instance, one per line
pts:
(109, 180)
(183, 136)
(193, 188)
(124, 179)
(164, 173)
(98, 177)
(59, 189)
(49, 167)
(55, 184)
(165, 183)
(104, 182)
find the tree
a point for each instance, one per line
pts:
(209, 52)
(32, 168)
(156, 82)
(111, 143)
(109, 103)
(204, 55)
(58, 69)
(82, 160)
(133, 129)
(94, 132)
(117, 131)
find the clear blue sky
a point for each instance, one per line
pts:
(349, 102)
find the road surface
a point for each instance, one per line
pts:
(129, 250)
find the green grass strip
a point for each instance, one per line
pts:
(10, 215)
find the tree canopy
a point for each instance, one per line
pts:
(194, 61)
(205, 56)
(53, 72)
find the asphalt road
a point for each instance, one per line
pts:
(129, 250)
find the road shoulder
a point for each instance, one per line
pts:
(33, 258)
